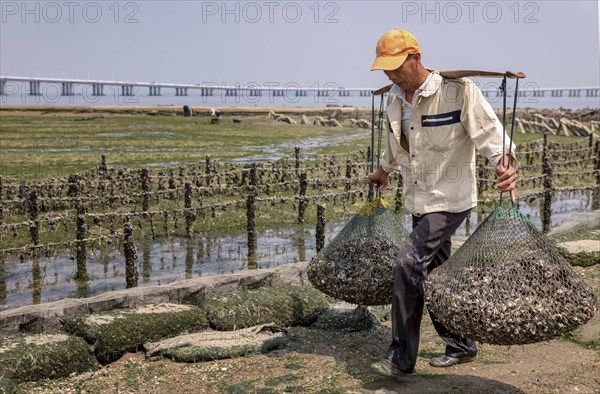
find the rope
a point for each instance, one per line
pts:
(379, 133)
(370, 195)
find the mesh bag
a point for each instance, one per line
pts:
(357, 265)
(508, 285)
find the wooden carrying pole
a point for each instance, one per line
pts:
(463, 74)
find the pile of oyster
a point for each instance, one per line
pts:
(524, 301)
(360, 271)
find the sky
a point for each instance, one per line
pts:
(304, 43)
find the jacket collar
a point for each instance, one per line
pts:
(432, 85)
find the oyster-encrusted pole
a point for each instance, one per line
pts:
(145, 178)
(207, 170)
(172, 185)
(130, 251)
(320, 230)
(34, 226)
(103, 167)
(298, 160)
(80, 244)
(190, 214)
(302, 197)
(250, 226)
(348, 184)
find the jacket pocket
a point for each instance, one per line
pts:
(439, 130)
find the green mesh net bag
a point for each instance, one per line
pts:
(508, 285)
(357, 265)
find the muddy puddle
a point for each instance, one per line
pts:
(50, 278)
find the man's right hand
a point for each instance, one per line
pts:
(379, 177)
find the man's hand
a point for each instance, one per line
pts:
(507, 177)
(379, 177)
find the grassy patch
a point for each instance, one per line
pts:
(128, 330)
(27, 359)
(40, 145)
(192, 354)
(578, 235)
(282, 305)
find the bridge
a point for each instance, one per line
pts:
(33, 87)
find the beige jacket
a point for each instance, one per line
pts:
(450, 119)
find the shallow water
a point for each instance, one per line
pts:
(281, 150)
(164, 261)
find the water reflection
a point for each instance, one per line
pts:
(189, 258)
(82, 288)
(252, 259)
(301, 244)
(36, 284)
(146, 264)
(2, 280)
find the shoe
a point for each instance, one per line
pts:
(386, 368)
(448, 361)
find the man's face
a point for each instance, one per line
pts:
(407, 75)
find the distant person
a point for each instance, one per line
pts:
(435, 127)
(215, 112)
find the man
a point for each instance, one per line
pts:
(435, 127)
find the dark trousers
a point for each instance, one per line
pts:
(427, 247)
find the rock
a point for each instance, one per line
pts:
(561, 121)
(214, 345)
(286, 119)
(35, 357)
(332, 123)
(335, 114)
(284, 305)
(305, 120)
(363, 124)
(582, 246)
(346, 319)
(116, 332)
(320, 121)
(570, 127)
(47, 317)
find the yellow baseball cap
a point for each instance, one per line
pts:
(393, 48)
